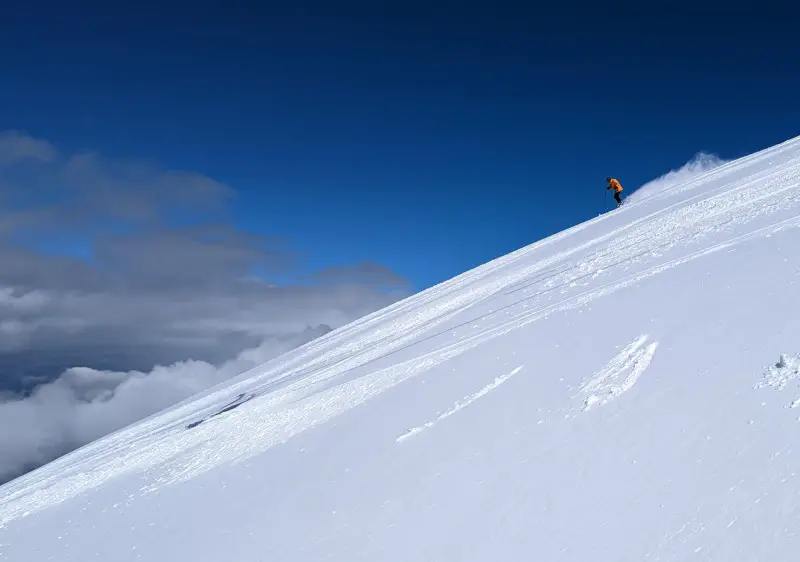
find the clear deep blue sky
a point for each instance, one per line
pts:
(429, 139)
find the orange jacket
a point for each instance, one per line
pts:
(615, 185)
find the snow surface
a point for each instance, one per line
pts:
(624, 390)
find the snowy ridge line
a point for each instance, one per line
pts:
(308, 355)
(722, 192)
(694, 466)
(503, 261)
(611, 381)
(333, 341)
(624, 282)
(706, 197)
(257, 433)
(436, 318)
(275, 427)
(315, 381)
(442, 290)
(74, 458)
(460, 405)
(471, 320)
(561, 256)
(449, 351)
(719, 192)
(581, 299)
(671, 239)
(397, 344)
(771, 152)
(472, 300)
(670, 243)
(381, 336)
(478, 273)
(596, 256)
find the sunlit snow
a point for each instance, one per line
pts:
(624, 390)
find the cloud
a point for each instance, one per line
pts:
(112, 309)
(84, 404)
(699, 164)
(16, 146)
(369, 273)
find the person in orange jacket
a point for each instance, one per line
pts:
(617, 187)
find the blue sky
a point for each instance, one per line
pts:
(429, 139)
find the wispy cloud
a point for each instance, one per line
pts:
(110, 310)
(16, 146)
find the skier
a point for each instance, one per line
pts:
(615, 185)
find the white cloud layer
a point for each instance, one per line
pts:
(154, 313)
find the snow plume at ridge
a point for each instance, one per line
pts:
(110, 312)
(700, 163)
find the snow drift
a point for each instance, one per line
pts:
(624, 390)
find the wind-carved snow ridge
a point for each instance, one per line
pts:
(461, 404)
(620, 374)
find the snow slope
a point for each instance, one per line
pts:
(624, 390)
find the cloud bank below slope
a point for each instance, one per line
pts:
(126, 288)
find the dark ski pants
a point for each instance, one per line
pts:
(617, 198)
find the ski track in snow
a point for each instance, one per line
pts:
(461, 404)
(304, 388)
(620, 374)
